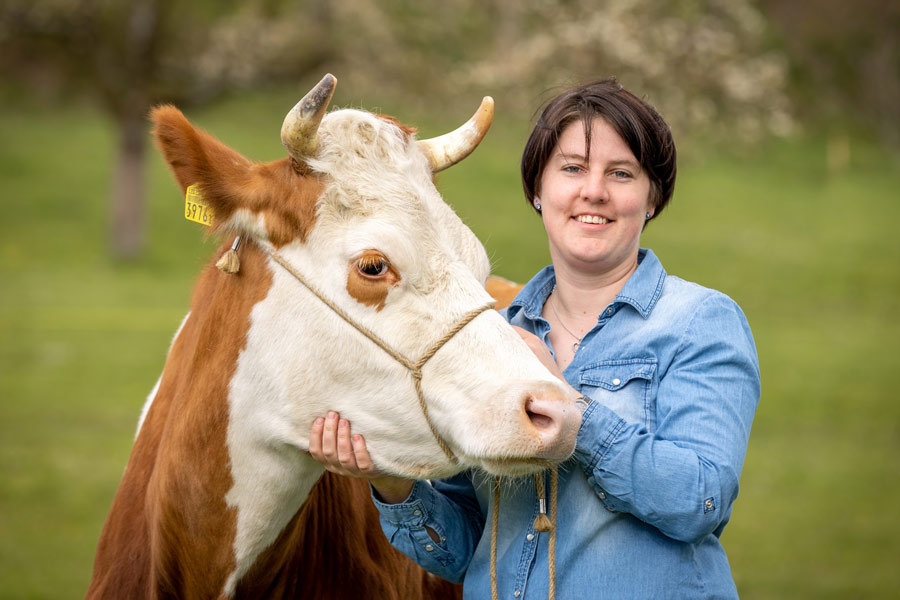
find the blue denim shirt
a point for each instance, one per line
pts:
(672, 370)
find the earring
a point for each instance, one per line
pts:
(537, 205)
(648, 216)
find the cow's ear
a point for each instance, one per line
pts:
(196, 157)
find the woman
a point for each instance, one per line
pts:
(665, 370)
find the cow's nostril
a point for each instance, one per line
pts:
(553, 422)
(543, 415)
(539, 420)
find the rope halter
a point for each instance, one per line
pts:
(414, 367)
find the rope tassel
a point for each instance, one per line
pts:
(541, 521)
(230, 262)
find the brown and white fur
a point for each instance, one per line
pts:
(219, 498)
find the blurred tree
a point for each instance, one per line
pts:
(135, 53)
(845, 59)
(708, 65)
(411, 48)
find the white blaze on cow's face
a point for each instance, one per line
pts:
(356, 212)
(400, 262)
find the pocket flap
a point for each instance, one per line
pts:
(613, 375)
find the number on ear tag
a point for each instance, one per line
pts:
(195, 209)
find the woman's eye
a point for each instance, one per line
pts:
(372, 266)
(621, 174)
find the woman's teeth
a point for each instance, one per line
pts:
(591, 219)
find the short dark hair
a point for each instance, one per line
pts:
(643, 129)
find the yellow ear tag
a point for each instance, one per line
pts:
(195, 209)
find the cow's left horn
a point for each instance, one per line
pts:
(298, 132)
(448, 149)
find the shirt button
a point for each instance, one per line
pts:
(417, 512)
(617, 381)
(429, 547)
(708, 504)
(529, 537)
(517, 593)
(609, 311)
(602, 495)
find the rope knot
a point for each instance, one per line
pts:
(415, 368)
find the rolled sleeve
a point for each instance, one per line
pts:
(406, 526)
(683, 477)
(600, 427)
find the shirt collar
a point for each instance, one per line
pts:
(641, 291)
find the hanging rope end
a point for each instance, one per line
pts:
(542, 523)
(230, 262)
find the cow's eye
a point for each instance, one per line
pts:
(372, 266)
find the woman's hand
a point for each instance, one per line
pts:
(332, 444)
(541, 351)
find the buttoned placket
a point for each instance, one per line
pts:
(526, 558)
(607, 314)
(604, 318)
(529, 547)
(529, 552)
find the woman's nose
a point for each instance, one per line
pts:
(594, 188)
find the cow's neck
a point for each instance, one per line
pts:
(188, 510)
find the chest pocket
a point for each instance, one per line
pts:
(625, 386)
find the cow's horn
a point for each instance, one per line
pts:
(298, 133)
(448, 149)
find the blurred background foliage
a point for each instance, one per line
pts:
(734, 69)
(787, 116)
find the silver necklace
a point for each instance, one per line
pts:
(569, 331)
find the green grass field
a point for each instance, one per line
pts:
(811, 256)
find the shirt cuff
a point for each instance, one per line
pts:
(412, 512)
(599, 428)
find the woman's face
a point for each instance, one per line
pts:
(594, 210)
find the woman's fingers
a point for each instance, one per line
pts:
(344, 448)
(541, 351)
(363, 460)
(329, 437)
(538, 348)
(332, 443)
(315, 439)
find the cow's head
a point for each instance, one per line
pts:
(355, 210)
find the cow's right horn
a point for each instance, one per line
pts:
(448, 149)
(298, 132)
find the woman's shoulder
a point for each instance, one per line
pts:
(676, 286)
(688, 301)
(705, 321)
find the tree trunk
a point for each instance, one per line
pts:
(127, 194)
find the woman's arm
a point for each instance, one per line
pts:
(436, 526)
(683, 477)
(331, 443)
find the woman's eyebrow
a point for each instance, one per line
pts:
(570, 156)
(578, 157)
(625, 162)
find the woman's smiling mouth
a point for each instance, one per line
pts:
(593, 219)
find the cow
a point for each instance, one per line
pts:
(358, 290)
